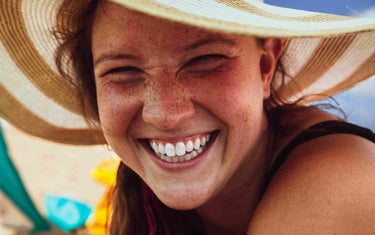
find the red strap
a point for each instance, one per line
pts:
(148, 196)
(148, 209)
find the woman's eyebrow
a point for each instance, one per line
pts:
(114, 56)
(217, 40)
(117, 56)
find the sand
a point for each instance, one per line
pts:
(50, 168)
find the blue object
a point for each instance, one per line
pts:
(12, 186)
(66, 213)
(339, 7)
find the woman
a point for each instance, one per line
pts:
(211, 139)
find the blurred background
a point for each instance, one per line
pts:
(61, 180)
(358, 102)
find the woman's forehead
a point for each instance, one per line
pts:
(114, 23)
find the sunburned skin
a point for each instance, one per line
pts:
(161, 82)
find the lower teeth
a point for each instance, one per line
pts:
(182, 158)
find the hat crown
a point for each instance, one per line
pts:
(324, 54)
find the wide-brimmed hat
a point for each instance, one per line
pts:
(325, 54)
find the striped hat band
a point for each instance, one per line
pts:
(324, 54)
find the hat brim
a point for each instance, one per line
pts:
(325, 54)
(250, 18)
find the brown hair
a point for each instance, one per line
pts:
(128, 215)
(128, 203)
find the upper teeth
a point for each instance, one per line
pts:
(180, 151)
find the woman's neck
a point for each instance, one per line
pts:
(230, 211)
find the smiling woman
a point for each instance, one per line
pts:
(171, 95)
(204, 102)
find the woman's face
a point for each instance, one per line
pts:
(167, 87)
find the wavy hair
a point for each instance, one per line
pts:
(135, 208)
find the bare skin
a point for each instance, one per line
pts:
(162, 81)
(325, 186)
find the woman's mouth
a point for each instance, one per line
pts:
(183, 150)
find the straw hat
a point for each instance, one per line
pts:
(325, 54)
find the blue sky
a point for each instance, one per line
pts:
(340, 7)
(358, 102)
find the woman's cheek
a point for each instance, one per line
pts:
(226, 91)
(117, 107)
(235, 97)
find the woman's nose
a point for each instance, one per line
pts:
(166, 104)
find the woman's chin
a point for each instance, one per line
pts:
(183, 203)
(184, 199)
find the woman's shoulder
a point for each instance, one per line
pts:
(326, 185)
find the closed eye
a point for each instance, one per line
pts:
(123, 70)
(204, 63)
(205, 58)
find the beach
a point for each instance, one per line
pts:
(48, 168)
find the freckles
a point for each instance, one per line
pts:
(227, 90)
(110, 117)
(245, 119)
(167, 97)
(117, 110)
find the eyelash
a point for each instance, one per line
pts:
(205, 57)
(189, 63)
(123, 69)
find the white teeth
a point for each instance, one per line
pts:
(169, 150)
(180, 149)
(203, 141)
(155, 147)
(197, 144)
(180, 152)
(189, 146)
(161, 149)
(182, 158)
(188, 157)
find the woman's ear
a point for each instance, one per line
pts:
(272, 49)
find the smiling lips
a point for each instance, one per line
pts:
(180, 151)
